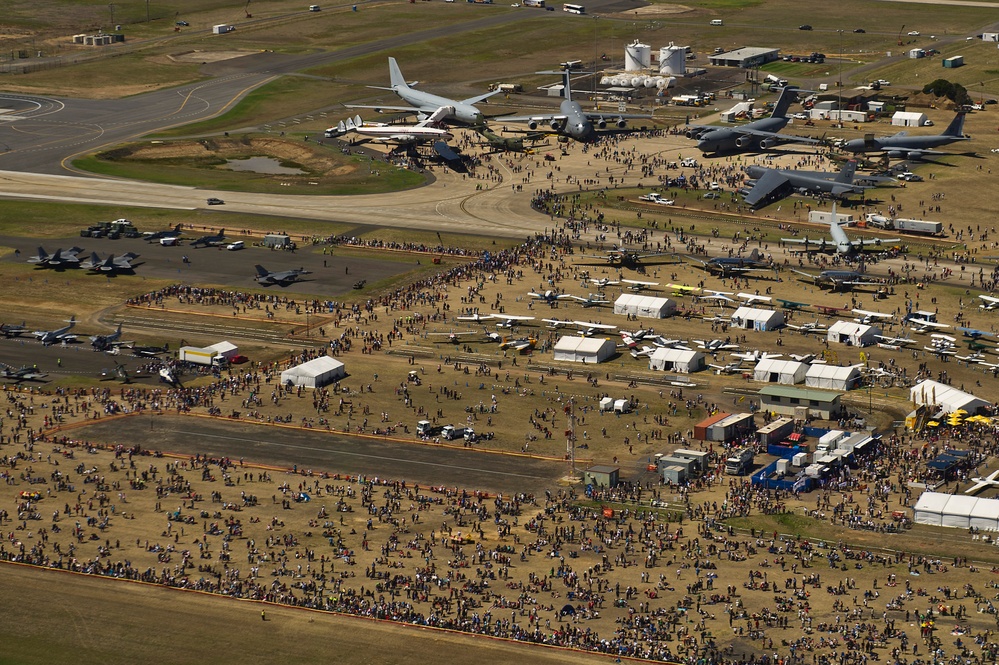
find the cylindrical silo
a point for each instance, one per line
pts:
(673, 60)
(637, 56)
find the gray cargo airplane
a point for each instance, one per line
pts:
(757, 135)
(840, 243)
(765, 184)
(572, 120)
(283, 278)
(904, 146)
(425, 103)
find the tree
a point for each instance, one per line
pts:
(952, 91)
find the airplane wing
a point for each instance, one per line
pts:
(480, 98)
(512, 317)
(540, 119)
(783, 138)
(976, 488)
(875, 241)
(764, 187)
(445, 151)
(601, 326)
(401, 109)
(639, 283)
(809, 241)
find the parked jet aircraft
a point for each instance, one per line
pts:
(153, 236)
(381, 132)
(905, 146)
(281, 278)
(757, 135)
(425, 103)
(23, 374)
(48, 337)
(766, 184)
(105, 342)
(210, 241)
(572, 120)
(111, 264)
(840, 243)
(61, 258)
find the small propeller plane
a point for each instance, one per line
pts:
(867, 316)
(12, 329)
(809, 327)
(923, 325)
(989, 303)
(638, 285)
(23, 374)
(510, 320)
(522, 344)
(111, 264)
(550, 297)
(792, 305)
(683, 289)
(752, 298)
(602, 282)
(991, 480)
(452, 337)
(975, 334)
(715, 345)
(721, 297)
(894, 343)
(592, 300)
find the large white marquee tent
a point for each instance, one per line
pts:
(959, 511)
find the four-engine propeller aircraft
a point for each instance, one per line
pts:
(733, 265)
(425, 103)
(905, 146)
(381, 132)
(836, 280)
(572, 120)
(111, 264)
(61, 258)
(840, 242)
(766, 184)
(757, 135)
(626, 259)
(281, 278)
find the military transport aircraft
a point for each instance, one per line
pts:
(905, 146)
(840, 243)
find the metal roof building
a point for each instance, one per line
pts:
(787, 400)
(746, 57)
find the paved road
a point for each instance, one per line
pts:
(328, 452)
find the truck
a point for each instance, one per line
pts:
(507, 87)
(739, 462)
(450, 432)
(913, 226)
(426, 428)
(199, 356)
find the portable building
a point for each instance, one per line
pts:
(774, 370)
(801, 402)
(916, 53)
(687, 465)
(990, 36)
(701, 428)
(752, 318)
(277, 240)
(571, 348)
(775, 431)
(674, 475)
(601, 475)
(908, 119)
(315, 373)
(222, 28)
(852, 333)
(700, 458)
(682, 361)
(832, 377)
(948, 398)
(645, 307)
(731, 427)
(954, 62)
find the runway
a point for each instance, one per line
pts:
(323, 451)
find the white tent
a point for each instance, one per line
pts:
(584, 349)
(948, 398)
(683, 361)
(646, 307)
(832, 377)
(752, 318)
(850, 332)
(908, 119)
(316, 373)
(774, 370)
(929, 508)
(957, 512)
(985, 515)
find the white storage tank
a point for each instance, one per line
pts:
(649, 81)
(637, 56)
(636, 81)
(673, 60)
(664, 82)
(606, 80)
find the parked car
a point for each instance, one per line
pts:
(860, 31)
(804, 26)
(215, 202)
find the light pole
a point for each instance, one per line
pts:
(839, 86)
(595, 59)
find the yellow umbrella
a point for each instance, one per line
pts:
(960, 412)
(933, 423)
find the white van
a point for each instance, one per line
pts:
(313, 8)
(717, 21)
(235, 246)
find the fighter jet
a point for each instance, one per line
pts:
(23, 374)
(904, 146)
(757, 135)
(840, 243)
(281, 278)
(726, 266)
(49, 337)
(210, 241)
(425, 103)
(766, 184)
(572, 120)
(12, 329)
(61, 259)
(111, 264)
(153, 236)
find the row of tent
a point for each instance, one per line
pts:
(957, 510)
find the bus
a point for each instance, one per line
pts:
(534, 3)
(574, 9)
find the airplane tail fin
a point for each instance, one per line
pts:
(787, 95)
(567, 82)
(42, 254)
(847, 172)
(956, 126)
(755, 256)
(261, 271)
(177, 228)
(395, 75)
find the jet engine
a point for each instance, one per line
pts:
(555, 124)
(532, 124)
(601, 124)
(744, 141)
(766, 144)
(621, 124)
